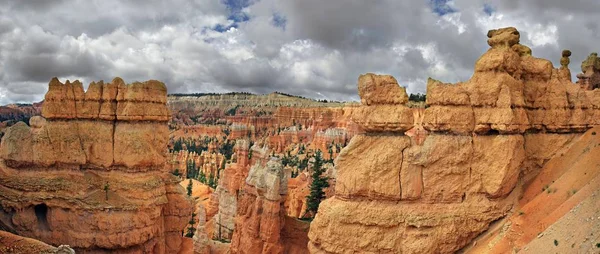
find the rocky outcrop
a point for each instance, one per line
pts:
(261, 212)
(298, 190)
(430, 181)
(589, 79)
(19, 112)
(91, 172)
(231, 182)
(15, 244)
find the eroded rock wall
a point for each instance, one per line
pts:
(91, 171)
(430, 181)
(260, 215)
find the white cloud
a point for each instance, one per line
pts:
(320, 52)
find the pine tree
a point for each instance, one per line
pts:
(191, 229)
(211, 181)
(319, 183)
(189, 188)
(106, 187)
(195, 169)
(176, 172)
(202, 177)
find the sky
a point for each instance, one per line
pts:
(312, 48)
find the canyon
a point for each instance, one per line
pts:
(507, 161)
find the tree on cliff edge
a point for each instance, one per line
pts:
(317, 185)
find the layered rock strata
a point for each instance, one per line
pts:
(261, 213)
(91, 172)
(231, 182)
(462, 164)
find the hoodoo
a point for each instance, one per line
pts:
(487, 138)
(91, 171)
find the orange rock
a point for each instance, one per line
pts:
(86, 177)
(380, 90)
(10, 243)
(261, 212)
(486, 138)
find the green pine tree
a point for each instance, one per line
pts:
(189, 188)
(211, 181)
(191, 229)
(176, 172)
(202, 177)
(319, 183)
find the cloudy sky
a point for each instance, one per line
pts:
(314, 48)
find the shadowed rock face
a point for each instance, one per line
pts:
(90, 173)
(461, 166)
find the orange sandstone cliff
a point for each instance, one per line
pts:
(431, 181)
(260, 215)
(91, 171)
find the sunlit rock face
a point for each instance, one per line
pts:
(431, 180)
(90, 172)
(261, 213)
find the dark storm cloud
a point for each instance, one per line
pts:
(312, 48)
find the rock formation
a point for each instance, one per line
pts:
(463, 162)
(564, 74)
(230, 183)
(15, 244)
(589, 79)
(261, 213)
(91, 172)
(298, 190)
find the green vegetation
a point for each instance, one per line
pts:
(417, 97)
(319, 182)
(226, 149)
(189, 188)
(192, 145)
(106, 187)
(202, 177)
(192, 170)
(232, 111)
(191, 229)
(555, 242)
(212, 182)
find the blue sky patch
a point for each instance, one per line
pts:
(279, 20)
(441, 7)
(488, 9)
(221, 28)
(235, 8)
